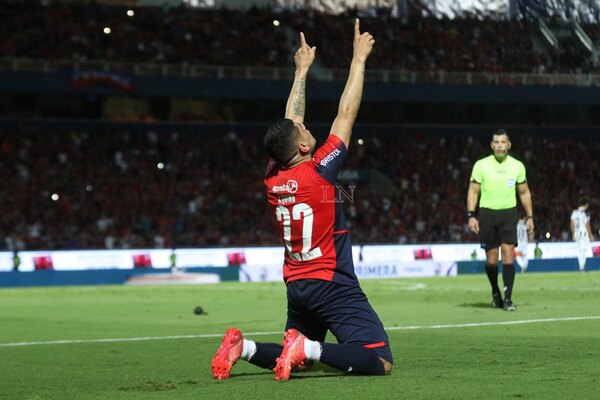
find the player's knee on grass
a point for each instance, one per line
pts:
(354, 358)
(387, 366)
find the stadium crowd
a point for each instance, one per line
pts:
(120, 189)
(77, 31)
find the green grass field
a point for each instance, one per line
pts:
(448, 343)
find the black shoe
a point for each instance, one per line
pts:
(497, 300)
(509, 306)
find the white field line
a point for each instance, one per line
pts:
(218, 335)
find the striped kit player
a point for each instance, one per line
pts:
(581, 230)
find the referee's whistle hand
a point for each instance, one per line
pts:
(530, 225)
(474, 225)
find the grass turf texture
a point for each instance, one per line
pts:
(538, 360)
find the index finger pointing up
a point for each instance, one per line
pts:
(302, 40)
(356, 27)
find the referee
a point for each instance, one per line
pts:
(494, 180)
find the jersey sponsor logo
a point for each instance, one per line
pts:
(329, 157)
(291, 187)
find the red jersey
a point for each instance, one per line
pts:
(306, 204)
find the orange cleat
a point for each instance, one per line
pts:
(292, 355)
(229, 352)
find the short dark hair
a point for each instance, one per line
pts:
(583, 201)
(280, 140)
(499, 132)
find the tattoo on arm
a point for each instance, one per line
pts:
(298, 102)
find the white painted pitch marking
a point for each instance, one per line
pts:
(218, 335)
(478, 324)
(405, 285)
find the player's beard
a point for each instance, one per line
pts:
(500, 155)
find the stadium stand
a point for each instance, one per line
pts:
(119, 187)
(179, 35)
(112, 192)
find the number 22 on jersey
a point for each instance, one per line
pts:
(299, 212)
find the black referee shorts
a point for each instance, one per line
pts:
(497, 227)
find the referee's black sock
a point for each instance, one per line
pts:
(492, 274)
(266, 355)
(352, 358)
(508, 276)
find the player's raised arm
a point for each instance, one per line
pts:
(352, 96)
(296, 103)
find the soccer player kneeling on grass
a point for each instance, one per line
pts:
(323, 292)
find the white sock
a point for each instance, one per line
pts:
(248, 350)
(312, 349)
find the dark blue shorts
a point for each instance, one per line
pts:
(315, 306)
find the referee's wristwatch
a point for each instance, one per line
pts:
(471, 214)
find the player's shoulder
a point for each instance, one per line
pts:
(485, 162)
(481, 161)
(332, 148)
(487, 159)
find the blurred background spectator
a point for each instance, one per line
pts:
(84, 31)
(119, 189)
